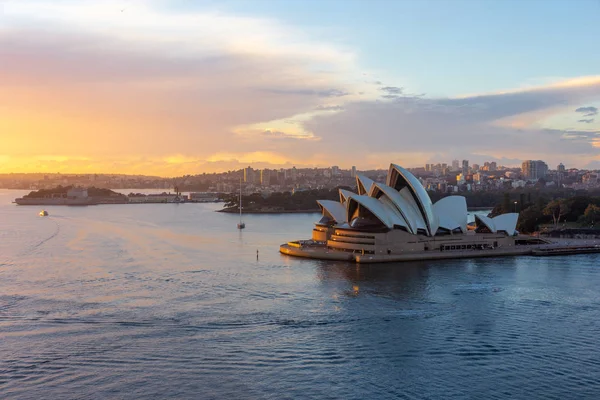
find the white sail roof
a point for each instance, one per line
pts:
(404, 204)
(506, 222)
(398, 218)
(411, 208)
(363, 184)
(383, 212)
(482, 220)
(452, 212)
(398, 178)
(344, 194)
(333, 209)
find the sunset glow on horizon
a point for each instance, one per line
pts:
(167, 89)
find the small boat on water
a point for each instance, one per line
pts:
(43, 213)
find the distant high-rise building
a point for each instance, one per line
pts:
(454, 165)
(335, 170)
(493, 166)
(281, 175)
(534, 169)
(294, 174)
(265, 177)
(475, 167)
(560, 168)
(465, 167)
(427, 167)
(353, 173)
(249, 175)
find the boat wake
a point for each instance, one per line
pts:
(40, 243)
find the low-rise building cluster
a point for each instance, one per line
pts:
(454, 177)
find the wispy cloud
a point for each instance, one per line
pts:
(329, 108)
(392, 92)
(155, 81)
(587, 111)
(460, 126)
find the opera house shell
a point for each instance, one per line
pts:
(397, 221)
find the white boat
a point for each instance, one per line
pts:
(43, 213)
(241, 224)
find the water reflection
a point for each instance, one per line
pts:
(393, 280)
(165, 301)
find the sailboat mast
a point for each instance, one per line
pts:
(240, 200)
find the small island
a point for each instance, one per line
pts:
(80, 196)
(72, 196)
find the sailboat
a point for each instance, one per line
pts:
(241, 224)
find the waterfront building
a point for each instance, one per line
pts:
(203, 197)
(396, 221)
(353, 173)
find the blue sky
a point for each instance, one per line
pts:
(448, 47)
(176, 87)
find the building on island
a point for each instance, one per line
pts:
(397, 221)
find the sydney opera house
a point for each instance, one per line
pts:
(397, 221)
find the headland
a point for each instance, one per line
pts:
(79, 196)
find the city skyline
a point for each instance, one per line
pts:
(176, 88)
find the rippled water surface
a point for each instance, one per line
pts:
(170, 301)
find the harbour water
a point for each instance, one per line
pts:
(171, 301)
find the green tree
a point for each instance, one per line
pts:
(506, 203)
(590, 216)
(521, 201)
(529, 220)
(557, 209)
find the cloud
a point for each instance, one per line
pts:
(309, 92)
(100, 88)
(586, 121)
(455, 127)
(125, 89)
(587, 111)
(392, 90)
(329, 108)
(286, 135)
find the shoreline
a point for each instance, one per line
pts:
(236, 211)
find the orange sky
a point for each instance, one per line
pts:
(86, 92)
